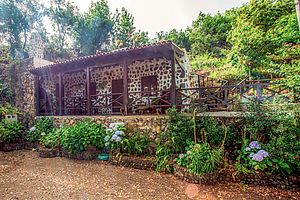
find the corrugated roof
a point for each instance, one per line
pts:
(100, 54)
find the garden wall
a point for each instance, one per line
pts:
(151, 123)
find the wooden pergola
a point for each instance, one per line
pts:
(123, 57)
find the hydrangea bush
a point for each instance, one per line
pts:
(114, 135)
(252, 157)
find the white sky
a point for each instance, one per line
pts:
(163, 15)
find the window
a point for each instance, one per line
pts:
(149, 84)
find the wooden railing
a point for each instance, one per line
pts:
(230, 97)
(149, 102)
(212, 98)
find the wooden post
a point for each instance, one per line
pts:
(88, 90)
(125, 86)
(37, 95)
(173, 79)
(60, 95)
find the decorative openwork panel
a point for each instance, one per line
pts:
(103, 101)
(48, 94)
(74, 97)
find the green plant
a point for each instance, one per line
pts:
(163, 158)
(10, 130)
(78, 136)
(136, 143)
(53, 139)
(43, 127)
(284, 154)
(201, 159)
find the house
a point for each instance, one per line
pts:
(137, 80)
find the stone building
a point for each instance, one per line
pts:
(140, 80)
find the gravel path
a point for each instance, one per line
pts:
(23, 175)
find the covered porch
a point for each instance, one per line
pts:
(129, 81)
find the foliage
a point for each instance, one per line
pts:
(277, 126)
(9, 109)
(179, 37)
(63, 17)
(10, 130)
(209, 34)
(180, 129)
(17, 19)
(179, 134)
(53, 139)
(284, 154)
(200, 159)
(43, 127)
(78, 136)
(125, 33)
(134, 143)
(92, 29)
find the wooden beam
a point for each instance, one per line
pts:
(125, 86)
(60, 95)
(173, 79)
(88, 90)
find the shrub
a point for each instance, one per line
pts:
(10, 130)
(43, 127)
(77, 137)
(53, 139)
(200, 159)
(284, 154)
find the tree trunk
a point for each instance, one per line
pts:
(297, 3)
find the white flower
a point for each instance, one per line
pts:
(32, 129)
(43, 134)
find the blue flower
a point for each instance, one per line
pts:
(118, 139)
(254, 145)
(257, 157)
(120, 133)
(263, 153)
(251, 155)
(114, 137)
(32, 129)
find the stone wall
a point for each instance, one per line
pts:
(151, 123)
(24, 90)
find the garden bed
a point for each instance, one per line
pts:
(89, 154)
(143, 163)
(226, 175)
(17, 146)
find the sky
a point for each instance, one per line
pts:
(164, 15)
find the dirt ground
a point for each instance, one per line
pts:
(23, 175)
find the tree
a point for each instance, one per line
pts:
(297, 4)
(63, 15)
(17, 19)
(124, 29)
(179, 37)
(252, 36)
(92, 30)
(209, 34)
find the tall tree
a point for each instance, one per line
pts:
(17, 19)
(63, 15)
(123, 29)
(92, 29)
(179, 37)
(209, 34)
(297, 4)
